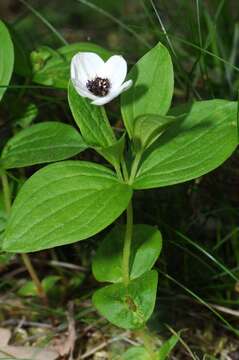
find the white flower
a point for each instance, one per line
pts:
(98, 80)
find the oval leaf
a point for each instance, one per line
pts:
(41, 143)
(128, 307)
(139, 353)
(54, 69)
(199, 141)
(6, 58)
(64, 203)
(146, 247)
(91, 119)
(152, 88)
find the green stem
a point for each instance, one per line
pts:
(135, 166)
(127, 244)
(25, 257)
(118, 171)
(124, 169)
(6, 193)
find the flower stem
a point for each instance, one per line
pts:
(6, 193)
(127, 244)
(124, 170)
(27, 262)
(135, 166)
(118, 171)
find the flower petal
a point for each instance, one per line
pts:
(114, 69)
(113, 94)
(85, 66)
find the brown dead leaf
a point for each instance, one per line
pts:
(27, 352)
(23, 352)
(5, 336)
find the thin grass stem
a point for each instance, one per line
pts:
(45, 22)
(117, 21)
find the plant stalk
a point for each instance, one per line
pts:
(25, 258)
(127, 244)
(118, 171)
(124, 170)
(6, 193)
(32, 272)
(135, 166)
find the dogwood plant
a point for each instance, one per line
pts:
(70, 201)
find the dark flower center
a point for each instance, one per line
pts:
(99, 86)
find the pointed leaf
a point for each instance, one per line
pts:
(128, 307)
(41, 143)
(6, 58)
(197, 143)
(167, 347)
(152, 88)
(64, 203)
(91, 119)
(148, 128)
(146, 247)
(49, 282)
(113, 153)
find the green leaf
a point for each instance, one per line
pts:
(63, 203)
(30, 289)
(195, 144)
(167, 347)
(152, 88)
(128, 307)
(148, 128)
(49, 282)
(91, 119)
(6, 58)
(41, 143)
(113, 153)
(3, 221)
(5, 258)
(54, 69)
(27, 115)
(136, 353)
(146, 247)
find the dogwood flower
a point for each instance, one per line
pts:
(98, 80)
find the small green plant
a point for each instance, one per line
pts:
(72, 200)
